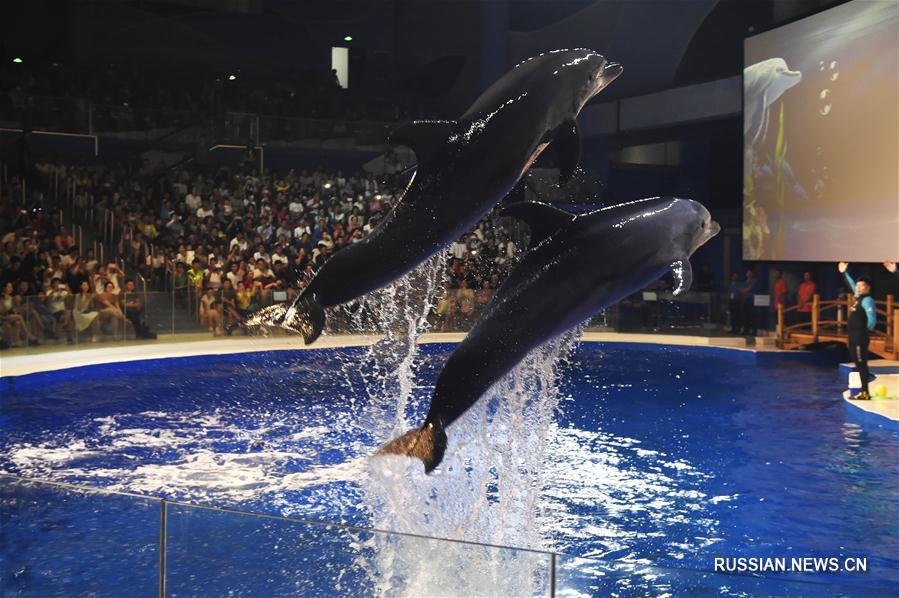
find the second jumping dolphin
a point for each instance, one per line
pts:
(575, 267)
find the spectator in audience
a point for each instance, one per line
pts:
(465, 299)
(111, 313)
(484, 295)
(445, 310)
(211, 312)
(780, 290)
(747, 292)
(214, 276)
(245, 296)
(86, 317)
(27, 307)
(231, 315)
(134, 310)
(15, 329)
(805, 294)
(58, 298)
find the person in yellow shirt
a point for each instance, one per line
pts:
(196, 275)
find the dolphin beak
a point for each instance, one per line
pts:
(714, 229)
(611, 72)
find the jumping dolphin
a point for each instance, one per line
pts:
(575, 267)
(465, 167)
(763, 83)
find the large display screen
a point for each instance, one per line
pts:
(821, 137)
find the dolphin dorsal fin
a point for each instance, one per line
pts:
(425, 137)
(543, 219)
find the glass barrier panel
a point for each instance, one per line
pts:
(280, 130)
(226, 553)
(44, 113)
(66, 541)
(142, 123)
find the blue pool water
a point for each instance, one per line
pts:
(656, 455)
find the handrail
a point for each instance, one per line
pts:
(890, 323)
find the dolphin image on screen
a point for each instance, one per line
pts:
(575, 266)
(763, 83)
(465, 167)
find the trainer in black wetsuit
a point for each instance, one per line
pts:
(862, 319)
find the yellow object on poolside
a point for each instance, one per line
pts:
(881, 391)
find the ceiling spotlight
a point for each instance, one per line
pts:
(232, 77)
(347, 38)
(17, 60)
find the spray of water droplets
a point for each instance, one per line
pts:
(488, 487)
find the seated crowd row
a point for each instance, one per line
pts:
(226, 244)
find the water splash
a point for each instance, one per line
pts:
(487, 490)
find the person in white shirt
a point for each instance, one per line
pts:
(262, 270)
(459, 249)
(214, 276)
(240, 242)
(296, 206)
(261, 254)
(302, 229)
(204, 211)
(279, 256)
(235, 275)
(192, 200)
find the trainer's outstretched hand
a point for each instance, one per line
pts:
(842, 266)
(890, 266)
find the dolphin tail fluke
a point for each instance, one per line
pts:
(306, 317)
(427, 443)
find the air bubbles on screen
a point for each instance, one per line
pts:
(826, 103)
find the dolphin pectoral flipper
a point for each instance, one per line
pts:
(425, 137)
(543, 219)
(683, 275)
(427, 443)
(567, 141)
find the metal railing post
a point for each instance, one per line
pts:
(780, 325)
(552, 575)
(173, 299)
(163, 516)
(890, 321)
(895, 334)
(815, 316)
